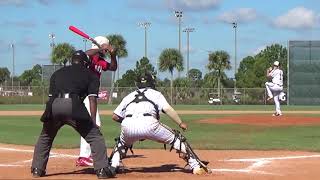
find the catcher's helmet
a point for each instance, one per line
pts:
(146, 80)
(80, 57)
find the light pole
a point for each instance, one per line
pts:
(235, 25)
(188, 30)
(12, 46)
(178, 15)
(52, 44)
(145, 25)
(85, 44)
(52, 37)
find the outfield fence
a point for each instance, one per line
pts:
(184, 95)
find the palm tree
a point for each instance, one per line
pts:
(169, 60)
(219, 61)
(61, 53)
(119, 44)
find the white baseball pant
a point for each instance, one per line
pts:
(273, 90)
(147, 127)
(85, 150)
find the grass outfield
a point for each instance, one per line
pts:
(25, 130)
(28, 107)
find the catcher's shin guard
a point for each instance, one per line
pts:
(189, 151)
(121, 148)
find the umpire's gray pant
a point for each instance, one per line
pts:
(86, 128)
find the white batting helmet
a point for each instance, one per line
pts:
(100, 40)
(276, 63)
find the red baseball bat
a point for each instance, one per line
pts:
(79, 32)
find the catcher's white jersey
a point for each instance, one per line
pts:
(140, 122)
(141, 107)
(277, 76)
(139, 126)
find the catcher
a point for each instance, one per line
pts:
(138, 114)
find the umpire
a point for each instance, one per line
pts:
(68, 86)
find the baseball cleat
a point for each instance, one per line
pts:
(84, 162)
(36, 172)
(276, 114)
(105, 173)
(199, 171)
(269, 98)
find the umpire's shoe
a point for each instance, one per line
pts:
(36, 172)
(107, 172)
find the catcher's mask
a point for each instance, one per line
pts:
(80, 57)
(146, 80)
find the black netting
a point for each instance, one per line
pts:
(304, 73)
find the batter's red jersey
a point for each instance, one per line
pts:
(98, 64)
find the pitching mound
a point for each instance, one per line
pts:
(264, 120)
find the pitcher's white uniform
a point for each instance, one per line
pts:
(140, 122)
(275, 87)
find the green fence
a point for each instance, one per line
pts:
(304, 73)
(186, 95)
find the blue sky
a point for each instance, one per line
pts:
(28, 23)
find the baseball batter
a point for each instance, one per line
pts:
(98, 64)
(138, 114)
(275, 87)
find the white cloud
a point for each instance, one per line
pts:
(147, 5)
(20, 23)
(41, 58)
(44, 2)
(193, 5)
(51, 21)
(29, 42)
(192, 50)
(298, 18)
(17, 3)
(242, 15)
(258, 50)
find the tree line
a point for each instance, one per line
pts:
(250, 73)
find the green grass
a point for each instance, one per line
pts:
(25, 130)
(27, 107)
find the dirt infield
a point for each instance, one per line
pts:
(15, 163)
(264, 120)
(15, 160)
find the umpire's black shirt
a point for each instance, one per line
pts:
(76, 80)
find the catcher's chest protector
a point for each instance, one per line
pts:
(140, 97)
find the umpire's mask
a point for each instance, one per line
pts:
(80, 57)
(146, 80)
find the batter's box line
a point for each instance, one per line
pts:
(260, 162)
(21, 163)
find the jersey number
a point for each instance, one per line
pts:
(98, 68)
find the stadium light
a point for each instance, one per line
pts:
(12, 46)
(235, 25)
(52, 37)
(188, 30)
(145, 25)
(178, 15)
(85, 44)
